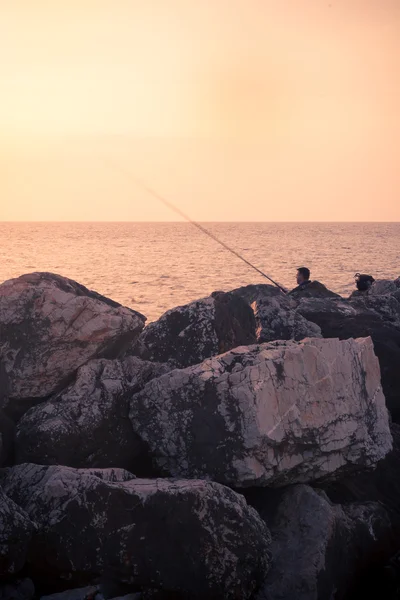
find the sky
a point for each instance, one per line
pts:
(247, 110)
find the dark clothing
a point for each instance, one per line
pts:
(312, 289)
(300, 288)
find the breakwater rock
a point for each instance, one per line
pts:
(242, 446)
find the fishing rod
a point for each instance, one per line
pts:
(178, 211)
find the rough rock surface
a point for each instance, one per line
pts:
(384, 286)
(275, 314)
(15, 534)
(318, 547)
(375, 316)
(189, 334)
(91, 592)
(22, 589)
(315, 289)
(50, 326)
(191, 537)
(278, 413)
(381, 485)
(87, 424)
(251, 293)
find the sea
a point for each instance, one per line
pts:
(152, 267)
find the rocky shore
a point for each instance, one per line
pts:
(245, 446)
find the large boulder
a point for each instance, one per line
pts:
(278, 413)
(21, 589)
(384, 286)
(318, 548)
(276, 315)
(315, 289)
(16, 531)
(374, 316)
(91, 592)
(87, 424)
(189, 334)
(381, 485)
(49, 327)
(195, 538)
(253, 292)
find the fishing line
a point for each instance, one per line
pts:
(178, 211)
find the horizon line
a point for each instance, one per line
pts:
(191, 222)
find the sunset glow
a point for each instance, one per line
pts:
(236, 110)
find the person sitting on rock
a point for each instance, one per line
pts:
(303, 280)
(310, 289)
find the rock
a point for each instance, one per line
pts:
(189, 334)
(375, 316)
(318, 547)
(193, 537)
(382, 583)
(274, 322)
(87, 424)
(7, 440)
(314, 289)
(381, 485)
(275, 314)
(137, 596)
(16, 531)
(253, 292)
(112, 589)
(278, 413)
(384, 286)
(357, 294)
(49, 327)
(385, 306)
(22, 589)
(91, 592)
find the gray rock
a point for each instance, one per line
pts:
(188, 334)
(87, 593)
(384, 286)
(22, 589)
(278, 413)
(87, 424)
(319, 548)
(374, 316)
(253, 292)
(314, 289)
(381, 485)
(275, 322)
(191, 537)
(137, 596)
(276, 315)
(49, 327)
(16, 531)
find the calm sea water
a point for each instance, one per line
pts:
(155, 266)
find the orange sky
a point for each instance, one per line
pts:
(235, 109)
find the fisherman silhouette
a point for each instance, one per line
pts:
(303, 280)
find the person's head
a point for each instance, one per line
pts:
(363, 282)
(303, 274)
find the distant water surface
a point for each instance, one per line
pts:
(152, 267)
